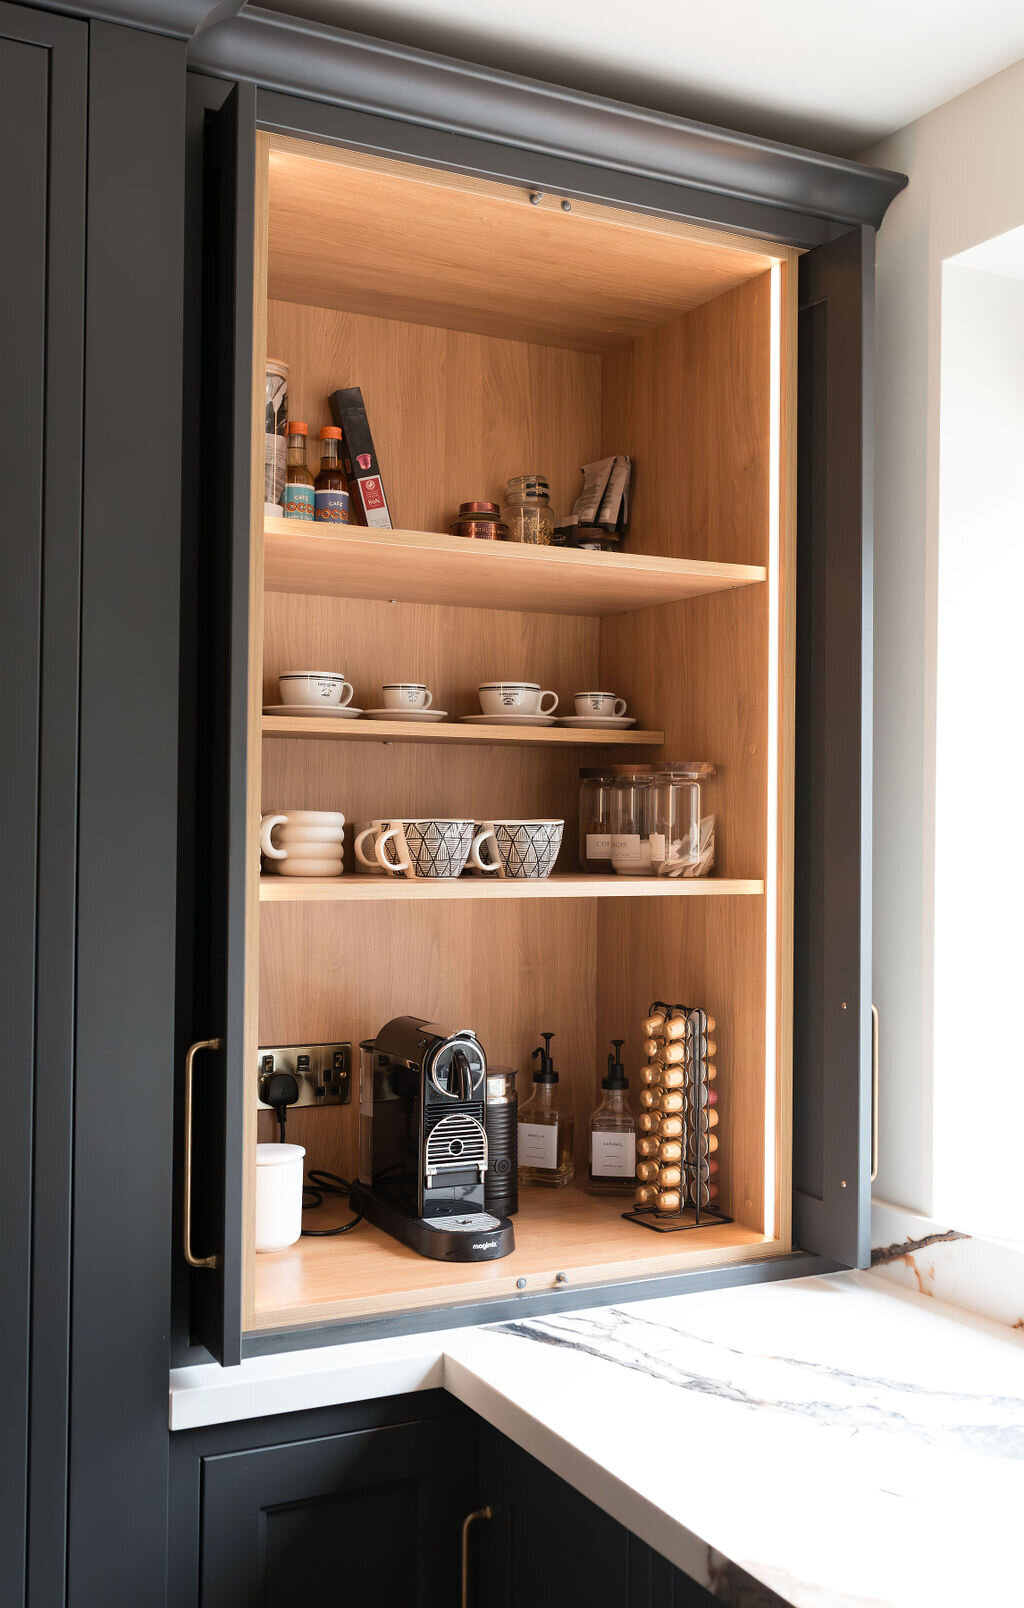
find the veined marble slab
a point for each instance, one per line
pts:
(838, 1442)
(823, 1443)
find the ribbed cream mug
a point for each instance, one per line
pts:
(303, 843)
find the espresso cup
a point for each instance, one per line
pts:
(312, 687)
(517, 850)
(406, 695)
(424, 849)
(515, 698)
(308, 842)
(604, 704)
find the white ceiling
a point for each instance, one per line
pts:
(831, 74)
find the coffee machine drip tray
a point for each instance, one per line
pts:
(467, 1237)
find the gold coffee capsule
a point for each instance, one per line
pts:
(647, 1171)
(712, 1024)
(670, 1150)
(650, 1073)
(669, 1127)
(673, 1054)
(669, 1178)
(650, 1147)
(710, 1048)
(654, 1024)
(650, 1046)
(673, 1077)
(676, 1028)
(650, 1122)
(649, 1097)
(669, 1100)
(646, 1195)
(710, 1072)
(668, 1200)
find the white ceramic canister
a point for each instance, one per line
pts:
(278, 1195)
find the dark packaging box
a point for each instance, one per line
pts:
(361, 464)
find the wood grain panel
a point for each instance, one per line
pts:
(453, 415)
(689, 402)
(330, 973)
(414, 566)
(405, 242)
(695, 402)
(331, 729)
(557, 1231)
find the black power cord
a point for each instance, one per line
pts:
(322, 1184)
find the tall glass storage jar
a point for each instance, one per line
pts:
(677, 848)
(632, 819)
(595, 820)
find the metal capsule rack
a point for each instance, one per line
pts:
(676, 1138)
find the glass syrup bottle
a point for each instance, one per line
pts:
(546, 1127)
(613, 1134)
(298, 496)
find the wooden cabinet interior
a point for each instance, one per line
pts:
(493, 337)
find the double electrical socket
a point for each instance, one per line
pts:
(323, 1072)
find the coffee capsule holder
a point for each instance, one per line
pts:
(676, 1138)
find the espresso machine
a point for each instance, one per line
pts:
(423, 1143)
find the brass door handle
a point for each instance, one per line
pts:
(190, 1058)
(481, 1513)
(874, 1092)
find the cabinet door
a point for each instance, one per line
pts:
(373, 1517)
(221, 190)
(42, 130)
(546, 1542)
(832, 896)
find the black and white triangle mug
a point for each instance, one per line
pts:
(523, 851)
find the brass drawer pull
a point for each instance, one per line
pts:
(874, 1092)
(201, 1044)
(481, 1513)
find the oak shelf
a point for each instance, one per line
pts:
(328, 727)
(415, 566)
(559, 1232)
(356, 887)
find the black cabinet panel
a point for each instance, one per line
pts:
(42, 274)
(372, 1516)
(832, 890)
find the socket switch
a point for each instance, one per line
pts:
(323, 1072)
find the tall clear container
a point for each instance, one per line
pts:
(678, 847)
(632, 820)
(596, 820)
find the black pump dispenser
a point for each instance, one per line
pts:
(546, 1072)
(616, 1078)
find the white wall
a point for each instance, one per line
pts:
(966, 166)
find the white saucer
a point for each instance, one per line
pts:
(509, 720)
(407, 714)
(598, 722)
(346, 713)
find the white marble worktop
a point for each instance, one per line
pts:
(827, 1443)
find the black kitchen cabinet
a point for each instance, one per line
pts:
(367, 1501)
(126, 615)
(373, 1498)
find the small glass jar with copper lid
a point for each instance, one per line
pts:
(480, 521)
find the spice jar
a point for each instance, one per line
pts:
(481, 521)
(527, 511)
(632, 819)
(682, 844)
(595, 820)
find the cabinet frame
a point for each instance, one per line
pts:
(257, 115)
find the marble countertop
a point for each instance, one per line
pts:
(826, 1443)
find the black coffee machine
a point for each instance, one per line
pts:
(422, 1141)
